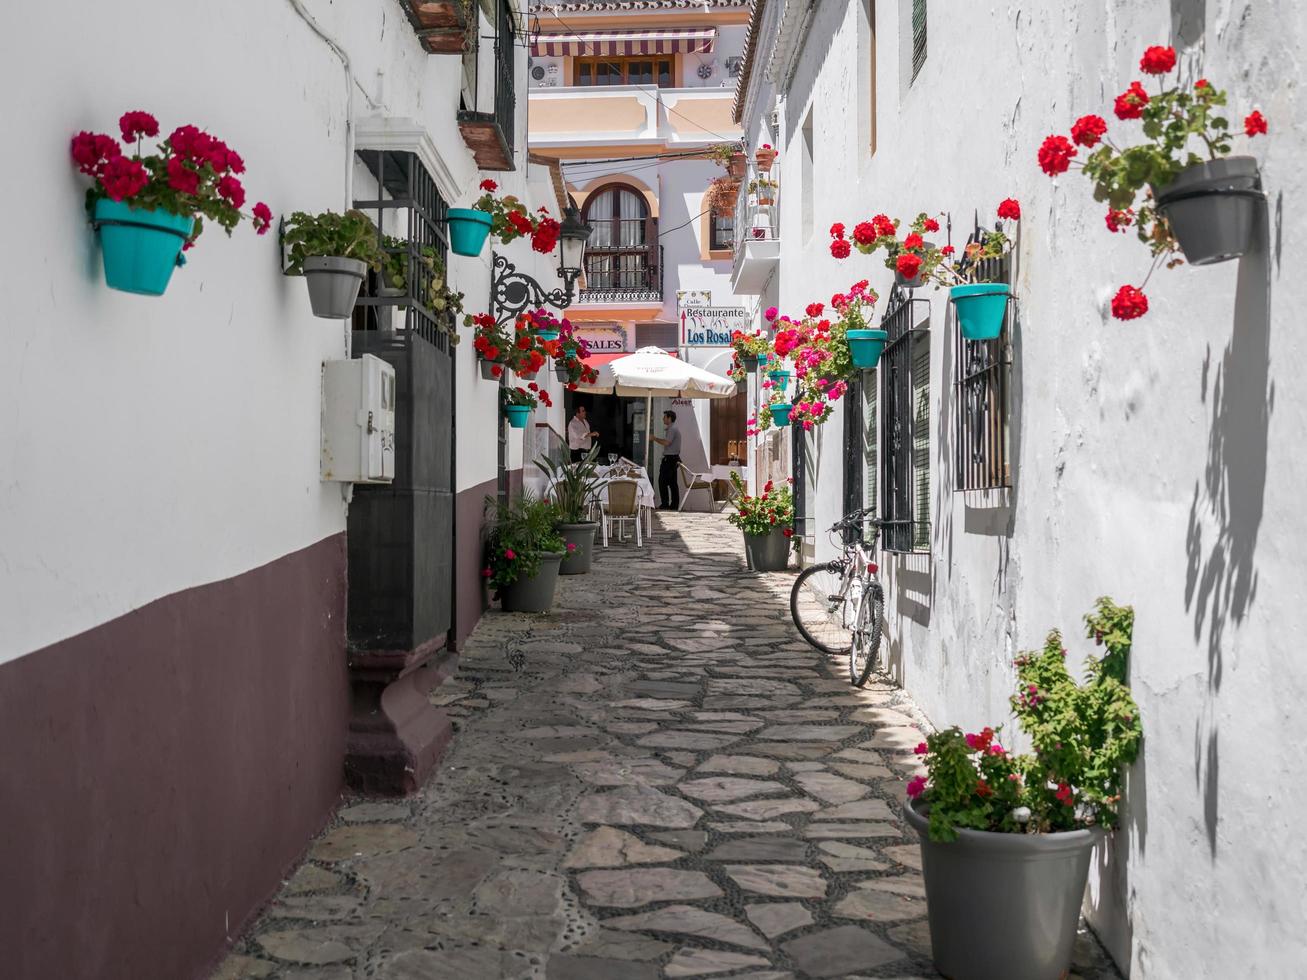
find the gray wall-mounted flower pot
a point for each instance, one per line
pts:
(1003, 906)
(487, 369)
(534, 594)
(1212, 208)
(560, 372)
(334, 285)
(767, 552)
(582, 535)
(917, 281)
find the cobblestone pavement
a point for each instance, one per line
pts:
(658, 780)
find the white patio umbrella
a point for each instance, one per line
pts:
(652, 372)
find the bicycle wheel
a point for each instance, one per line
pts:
(863, 653)
(818, 614)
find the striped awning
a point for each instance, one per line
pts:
(591, 44)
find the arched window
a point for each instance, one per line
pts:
(619, 255)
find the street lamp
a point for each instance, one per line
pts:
(511, 291)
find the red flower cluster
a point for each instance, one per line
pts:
(913, 241)
(1055, 155)
(122, 178)
(136, 124)
(864, 233)
(91, 151)
(1157, 60)
(1064, 794)
(262, 218)
(1088, 130)
(521, 221)
(814, 309)
(1130, 103)
(837, 230)
(1254, 124)
(181, 178)
(930, 224)
(840, 248)
(545, 236)
(908, 265)
(1010, 209)
(982, 741)
(1129, 303)
(489, 185)
(883, 225)
(1119, 220)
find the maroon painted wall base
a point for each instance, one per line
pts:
(161, 771)
(472, 601)
(396, 736)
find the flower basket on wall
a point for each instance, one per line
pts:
(865, 346)
(468, 230)
(334, 253)
(981, 308)
(1212, 208)
(517, 415)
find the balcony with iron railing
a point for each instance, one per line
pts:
(487, 118)
(757, 233)
(616, 274)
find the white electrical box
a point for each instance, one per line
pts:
(358, 420)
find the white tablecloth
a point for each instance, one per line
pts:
(720, 472)
(644, 492)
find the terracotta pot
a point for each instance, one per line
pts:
(763, 160)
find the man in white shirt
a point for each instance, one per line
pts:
(669, 490)
(579, 434)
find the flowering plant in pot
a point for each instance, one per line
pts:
(505, 217)
(1178, 187)
(912, 259)
(523, 552)
(333, 252)
(430, 288)
(980, 300)
(864, 342)
(729, 157)
(764, 158)
(747, 347)
(492, 344)
(520, 402)
(767, 522)
(572, 487)
(764, 190)
(568, 353)
(721, 195)
(148, 208)
(1006, 838)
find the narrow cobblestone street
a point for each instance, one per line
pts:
(658, 780)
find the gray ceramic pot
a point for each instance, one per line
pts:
(1003, 906)
(916, 281)
(767, 552)
(334, 285)
(1212, 208)
(750, 362)
(578, 560)
(486, 371)
(560, 372)
(534, 594)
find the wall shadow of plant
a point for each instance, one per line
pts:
(1225, 515)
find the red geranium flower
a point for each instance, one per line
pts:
(1254, 123)
(916, 786)
(947, 250)
(1088, 130)
(982, 789)
(182, 178)
(1055, 155)
(1201, 84)
(1130, 103)
(864, 233)
(1010, 208)
(883, 225)
(1129, 303)
(788, 532)
(231, 190)
(837, 230)
(913, 241)
(262, 218)
(814, 309)
(1157, 60)
(1064, 794)
(137, 124)
(123, 177)
(840, 248)
(930, 224)
(489, 185)
(92, 150)
(908, 265)
(1119, 220)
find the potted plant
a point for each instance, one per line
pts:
(506, 217)
(149, 208)
(1005, 838)
(763, 190)
(779, 410)
(523, 552)
(738, 374)
(491, 343)
(569, 352)
(980, 302)
(764, 158)
(721, 195)
(431, 288)
(572, 486)
(1201, 204)
(520, 402)
(912, 259)
(545, 325)
(767, 522)
(730, 157)
(864, 341)
(333, 252)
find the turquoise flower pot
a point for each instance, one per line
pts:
(780, 414)
(468, 230)
(762, 360)
(865, 346)
(140, 248)
(779, 377)
(981, 307)
(517, 415)
(547, 334)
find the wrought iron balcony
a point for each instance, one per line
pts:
(616, 275)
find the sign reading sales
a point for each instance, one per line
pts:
(711, 326)
(602, 340)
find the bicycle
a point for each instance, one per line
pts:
(847, 620)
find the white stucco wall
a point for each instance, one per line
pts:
(149, 445)
(1156, 461)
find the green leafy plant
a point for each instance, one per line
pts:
(510, 220)
(432, 289)
(764, 513)
(762, 186)
(722, 153)
(519, 532)
(572, 485)
(351, 235)
(530, 396)
(1083, 736)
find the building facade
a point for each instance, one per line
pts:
(629, 97)
(182, 684)
(1151, 461)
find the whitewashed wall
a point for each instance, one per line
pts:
(149, 445)
(1157, 461)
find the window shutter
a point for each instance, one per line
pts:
(918, 36)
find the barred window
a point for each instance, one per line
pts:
(982, 391)
(905, 424)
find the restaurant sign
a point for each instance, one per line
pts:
(712, 326)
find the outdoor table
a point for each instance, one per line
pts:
(644, 491)
(722, 474)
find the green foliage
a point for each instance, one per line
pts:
(572, 485)
(351, 235)
(1083, 736)
(518, 533)
(722, 153)
(432, 289)
(771, 509)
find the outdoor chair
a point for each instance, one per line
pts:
(691, 481)
(622, 507)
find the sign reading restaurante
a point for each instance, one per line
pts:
(711, 326)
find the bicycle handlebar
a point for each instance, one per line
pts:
(854, 520)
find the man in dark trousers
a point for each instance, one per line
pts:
(669, 487)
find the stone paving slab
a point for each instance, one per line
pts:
(658, 779)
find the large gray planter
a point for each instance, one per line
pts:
(534, 594)
(334, 285)
(578, 560)
(1212, 208)
(767, 552)
(1003, 906)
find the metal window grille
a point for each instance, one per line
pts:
(799, 468)
(870, 407)
(408, 207)
(505, 95)
(918, 37)
(854, 451)
(982, 390)
(905, 424)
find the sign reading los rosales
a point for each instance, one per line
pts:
(602, 340)
(711, 326)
